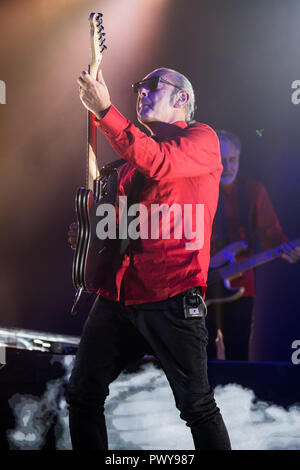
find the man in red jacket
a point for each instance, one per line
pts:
(245, 211)
(153, 301)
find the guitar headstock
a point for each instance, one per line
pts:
(97, 37)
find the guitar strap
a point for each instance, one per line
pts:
(244, 208)
(114, 164)
(137, 185)
(221, 223)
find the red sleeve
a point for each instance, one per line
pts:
(266, 221)
(194, 151)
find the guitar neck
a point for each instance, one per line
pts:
(255, 260)
(97, 39)
(92, 165)
(92, 170)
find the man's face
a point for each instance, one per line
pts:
(230, 160)
(157, 105)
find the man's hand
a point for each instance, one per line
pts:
(290, 253)
(72, 235)
(93, 93)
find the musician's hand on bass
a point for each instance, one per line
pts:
(72, 235)
(94, 93)
(289, 252)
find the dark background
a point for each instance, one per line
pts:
(241, 57)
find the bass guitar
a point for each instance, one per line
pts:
(93, 257)
(223, 268)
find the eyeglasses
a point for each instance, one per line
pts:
(151, 83)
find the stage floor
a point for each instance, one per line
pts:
(141, 414)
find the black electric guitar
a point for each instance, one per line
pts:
(93, 257)
(223, 268)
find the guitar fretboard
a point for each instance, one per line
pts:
(255, 260)
(235, 268)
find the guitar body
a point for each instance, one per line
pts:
(94, 257)
(219, 290)
(223, 267)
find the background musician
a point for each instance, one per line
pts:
(244, 212)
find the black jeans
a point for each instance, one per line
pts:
(114, 336)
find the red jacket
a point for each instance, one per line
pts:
(184, 167)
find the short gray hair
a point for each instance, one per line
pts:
(183, 82)
(225, 136)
